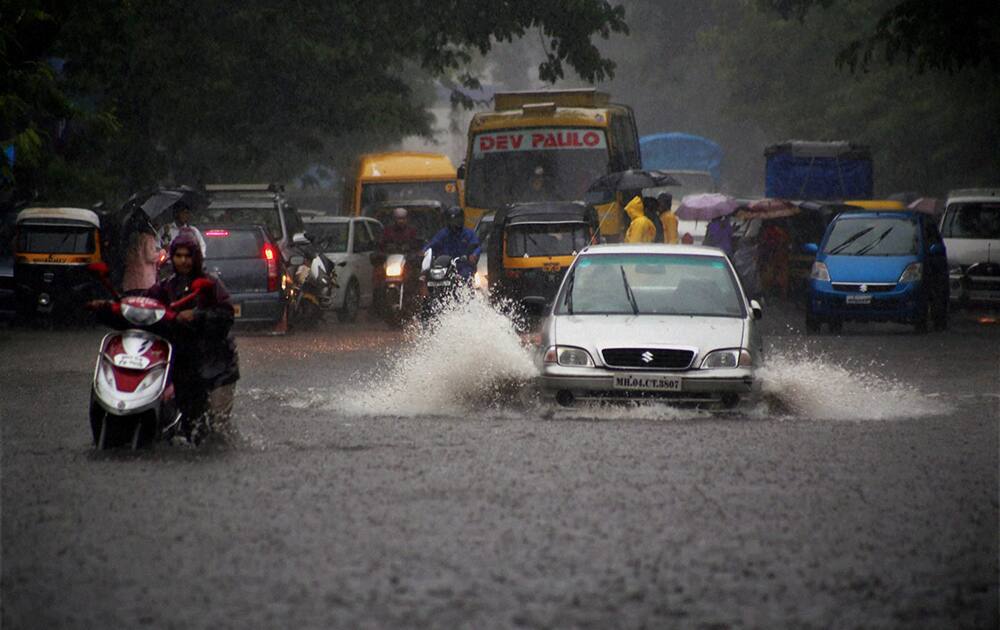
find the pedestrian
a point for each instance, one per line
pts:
(640, 229)
(142, 257)
(668, 219)
(774, 257)
(719, 233)
(182, 219)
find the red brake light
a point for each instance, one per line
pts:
(272, 267)
(217, 233)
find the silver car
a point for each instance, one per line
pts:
(651, 321)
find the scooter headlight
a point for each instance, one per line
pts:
(394, 270)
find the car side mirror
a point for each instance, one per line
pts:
(758, 312)
(460, 174)
(936, 249)
(810, 248)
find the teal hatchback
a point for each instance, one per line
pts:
(879, 266)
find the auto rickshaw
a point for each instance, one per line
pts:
(532, 245)
(52, 248)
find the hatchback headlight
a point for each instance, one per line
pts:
(820, 272)
(731, 358)
(568, 356)
(913, 273)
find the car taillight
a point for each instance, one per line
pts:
(272, 267)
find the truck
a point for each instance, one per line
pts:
(818, 171)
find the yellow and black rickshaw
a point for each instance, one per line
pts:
(52, 248)
(532, 245)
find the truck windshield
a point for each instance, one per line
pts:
(972, 220)
(444, 192)
(872, 237)
(559, 239)
(499, 176)
(54, 239)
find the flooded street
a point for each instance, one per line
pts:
(383, 479)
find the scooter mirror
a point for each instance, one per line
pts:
(201, 284)
(98, 268)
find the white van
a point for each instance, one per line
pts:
(970, 226)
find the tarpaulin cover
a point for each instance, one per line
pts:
(681, 151)
(794, 172)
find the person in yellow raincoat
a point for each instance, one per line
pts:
(641, 229)
(668, 219)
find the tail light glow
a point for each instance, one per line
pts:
(217, 233)
(272, 267)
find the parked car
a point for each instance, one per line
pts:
(252, 204)
(970, 226)
(246, 259)
(651, 321)
(879, 266)
(349, 240)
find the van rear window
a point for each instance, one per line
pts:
(222, 243)
(972, 220)
(55, 239)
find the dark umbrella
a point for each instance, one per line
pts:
(159, 201)
(632, 179)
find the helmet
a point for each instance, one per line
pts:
(399, 213)
(454, 218)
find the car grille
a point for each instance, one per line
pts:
(869, 288)
(662, 358)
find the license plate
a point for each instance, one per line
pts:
(131, 361)
(859, 299)
(438, 283)
(648, 382)
(237, 310)
(550, 266)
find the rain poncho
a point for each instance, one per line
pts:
(669, 221)
(641, 229)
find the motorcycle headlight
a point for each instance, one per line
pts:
(438, 274)
(721, 359)
(913, 273)
(394, 270)
(568, 356)
(820, 272)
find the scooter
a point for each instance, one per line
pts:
(132, 400)
(314, 281)
(401, 296)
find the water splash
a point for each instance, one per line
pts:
(469, 357)
(815, 387)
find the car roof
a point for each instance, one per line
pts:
(242, 203)
(974, 194)
(332, 219)
(56, 215)
(652, 248)
(885, 214)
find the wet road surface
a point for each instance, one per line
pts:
(862, 492)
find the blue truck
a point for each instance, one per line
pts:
(818, 170)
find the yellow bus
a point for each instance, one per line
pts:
(548, 145)
(379, 179)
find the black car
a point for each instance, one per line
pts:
(249, 264)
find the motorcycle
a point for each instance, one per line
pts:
(314, 281)
(132, 399)
(441, 281)
(400, 297)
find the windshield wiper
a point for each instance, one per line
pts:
(853, 238)
(628, 292)
(869, 247)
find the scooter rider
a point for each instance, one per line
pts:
(456, 241)
(399, 237)
(205, 364)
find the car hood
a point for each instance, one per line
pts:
(867, 268)
(596, 332)
(969, 251)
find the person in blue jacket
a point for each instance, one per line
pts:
(455, 240)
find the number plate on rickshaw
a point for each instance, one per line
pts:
(237, 310)
(859, 299)
(438, 283)
(551, 266)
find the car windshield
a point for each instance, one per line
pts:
(547, 239)
(225, 243)
(972, 220)
(55, 239)
(267, 217)
(506, 176)
(651, 284)
(329, 237)
(444, 192)
(875, 236)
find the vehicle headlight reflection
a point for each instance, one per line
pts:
(730, 358)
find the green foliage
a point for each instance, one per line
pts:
(215, 90)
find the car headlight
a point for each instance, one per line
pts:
(568, 356)
(820, 272)
(912, 273)
(731, 358)
(394, 270)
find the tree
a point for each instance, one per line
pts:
(215, 90)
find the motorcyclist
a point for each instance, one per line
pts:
(399, 237)
(456, 241)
